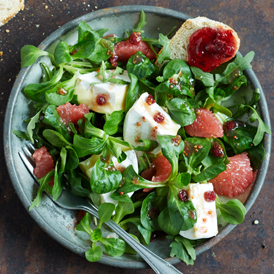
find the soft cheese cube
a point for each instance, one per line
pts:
(206, 225)
(146, 119)
(104, 97)
(130, 160)
(87, 165)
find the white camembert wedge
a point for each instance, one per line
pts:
(206, 225)
(146, 119)
(104, 97)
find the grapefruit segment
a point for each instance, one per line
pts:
(124, 50)
(206, 125)
(72, 113)
(158, 172)
(236, 178)
(43, 163)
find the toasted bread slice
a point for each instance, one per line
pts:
(8, 9)
(179, 42)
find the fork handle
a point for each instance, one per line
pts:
(159, 265)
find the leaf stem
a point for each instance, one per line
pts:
(137, 204)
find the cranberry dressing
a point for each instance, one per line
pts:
(211, 213)
(150, 100)
(61, 91)
(135, 38)
(173, 81)
(210, 196)
(208, 48)
(136, 59)
(192, 214)
(153, 132)
(189, 149)
(159, 118)
(217, 150)
(230, 127)
(114, 60)
(101, 99)
(183, 196)
(176, 140)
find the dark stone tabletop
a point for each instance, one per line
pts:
(26, 248)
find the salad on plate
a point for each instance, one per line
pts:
(153, 142)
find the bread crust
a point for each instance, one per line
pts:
(4, 18)
(179, 42)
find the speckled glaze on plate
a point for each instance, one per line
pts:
(57, 222)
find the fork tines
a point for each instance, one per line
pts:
(26, 156)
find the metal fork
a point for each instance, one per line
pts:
(68, 201)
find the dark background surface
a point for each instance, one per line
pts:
(26, 248)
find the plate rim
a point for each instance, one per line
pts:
(47, 42)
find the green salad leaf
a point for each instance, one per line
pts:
(29, 54)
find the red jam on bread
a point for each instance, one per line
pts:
(208, 48)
